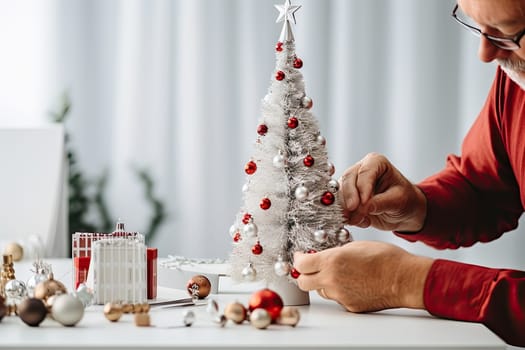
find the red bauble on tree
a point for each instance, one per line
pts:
(257, 249)
(327, 198)
(293, 122)
(262, 129)
(298, 63)
(266, 203)
(308, 161)
(279, 46)
(267, 299)
(279, 75)
(250, 167)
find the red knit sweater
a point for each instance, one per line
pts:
(476, 198)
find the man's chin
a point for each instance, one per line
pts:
(517, 77)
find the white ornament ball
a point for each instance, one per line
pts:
(301, 192)
(307, 102)
(250, 230)
(249, 273)
(245, 188)
(333, 186)
(67, 310)
(233, 230)
(320, 236)
(281, 268)
(279, 161)
(321, 140)
(260, 318)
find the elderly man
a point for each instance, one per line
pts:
(477, 197)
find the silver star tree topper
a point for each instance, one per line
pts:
(286, 14)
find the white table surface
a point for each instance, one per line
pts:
(323, 325)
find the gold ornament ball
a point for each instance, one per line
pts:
(49, 287)
(32, 311)
(127, 308)
(235, 312)
(113, 311)
(15, 250)
(200, 285)
(289, 316)
(260, 318)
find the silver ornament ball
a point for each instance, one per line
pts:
(320, 236)
(343, 235)
(15, 290)
(321, 140)
(281, 268)
(188, 317)
(279, 161)
(260, 318)
(331, 169)
(249, 273)
(67, 310)
(333, 186)
(301, 192)
(250, 230)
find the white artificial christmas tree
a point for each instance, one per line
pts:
(290, 200)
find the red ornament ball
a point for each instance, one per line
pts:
(250, 167)
(293, 122)
(237, 237)
(262, 129)
(267, 299)
(279, 75)
(266, 203)
(327, 198)
(246, 218)
(257, 249)
(308, 161)
(311, 251)
(298, 63)
(279, 46)
(294, 273)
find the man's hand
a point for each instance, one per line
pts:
(365, 276)
(374, 193)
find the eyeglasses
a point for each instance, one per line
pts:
(502, 43)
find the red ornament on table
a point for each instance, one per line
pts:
(279, 75)
(327, 198)
(267, 299)
(251, 167)
(293, 122)
(266, 203)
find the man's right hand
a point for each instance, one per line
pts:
(374, 193)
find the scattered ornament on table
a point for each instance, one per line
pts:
(198, 287)
(268, 300)
(32, 311)
(67, 309)
(7, 272)
(84, 294)
(3, 308)
(40, 273)
(236, 312)
(15, 250)
(289, 316)
(15, 291)
(188, 317)
(49, 287)
(142, 319)
(212, 308)
(113, 311)
(260, 318)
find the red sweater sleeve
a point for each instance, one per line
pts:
(476, 198)
(494, 297)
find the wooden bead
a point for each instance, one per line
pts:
(113, 311)
(142, 319)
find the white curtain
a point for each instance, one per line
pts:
(174, 86)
